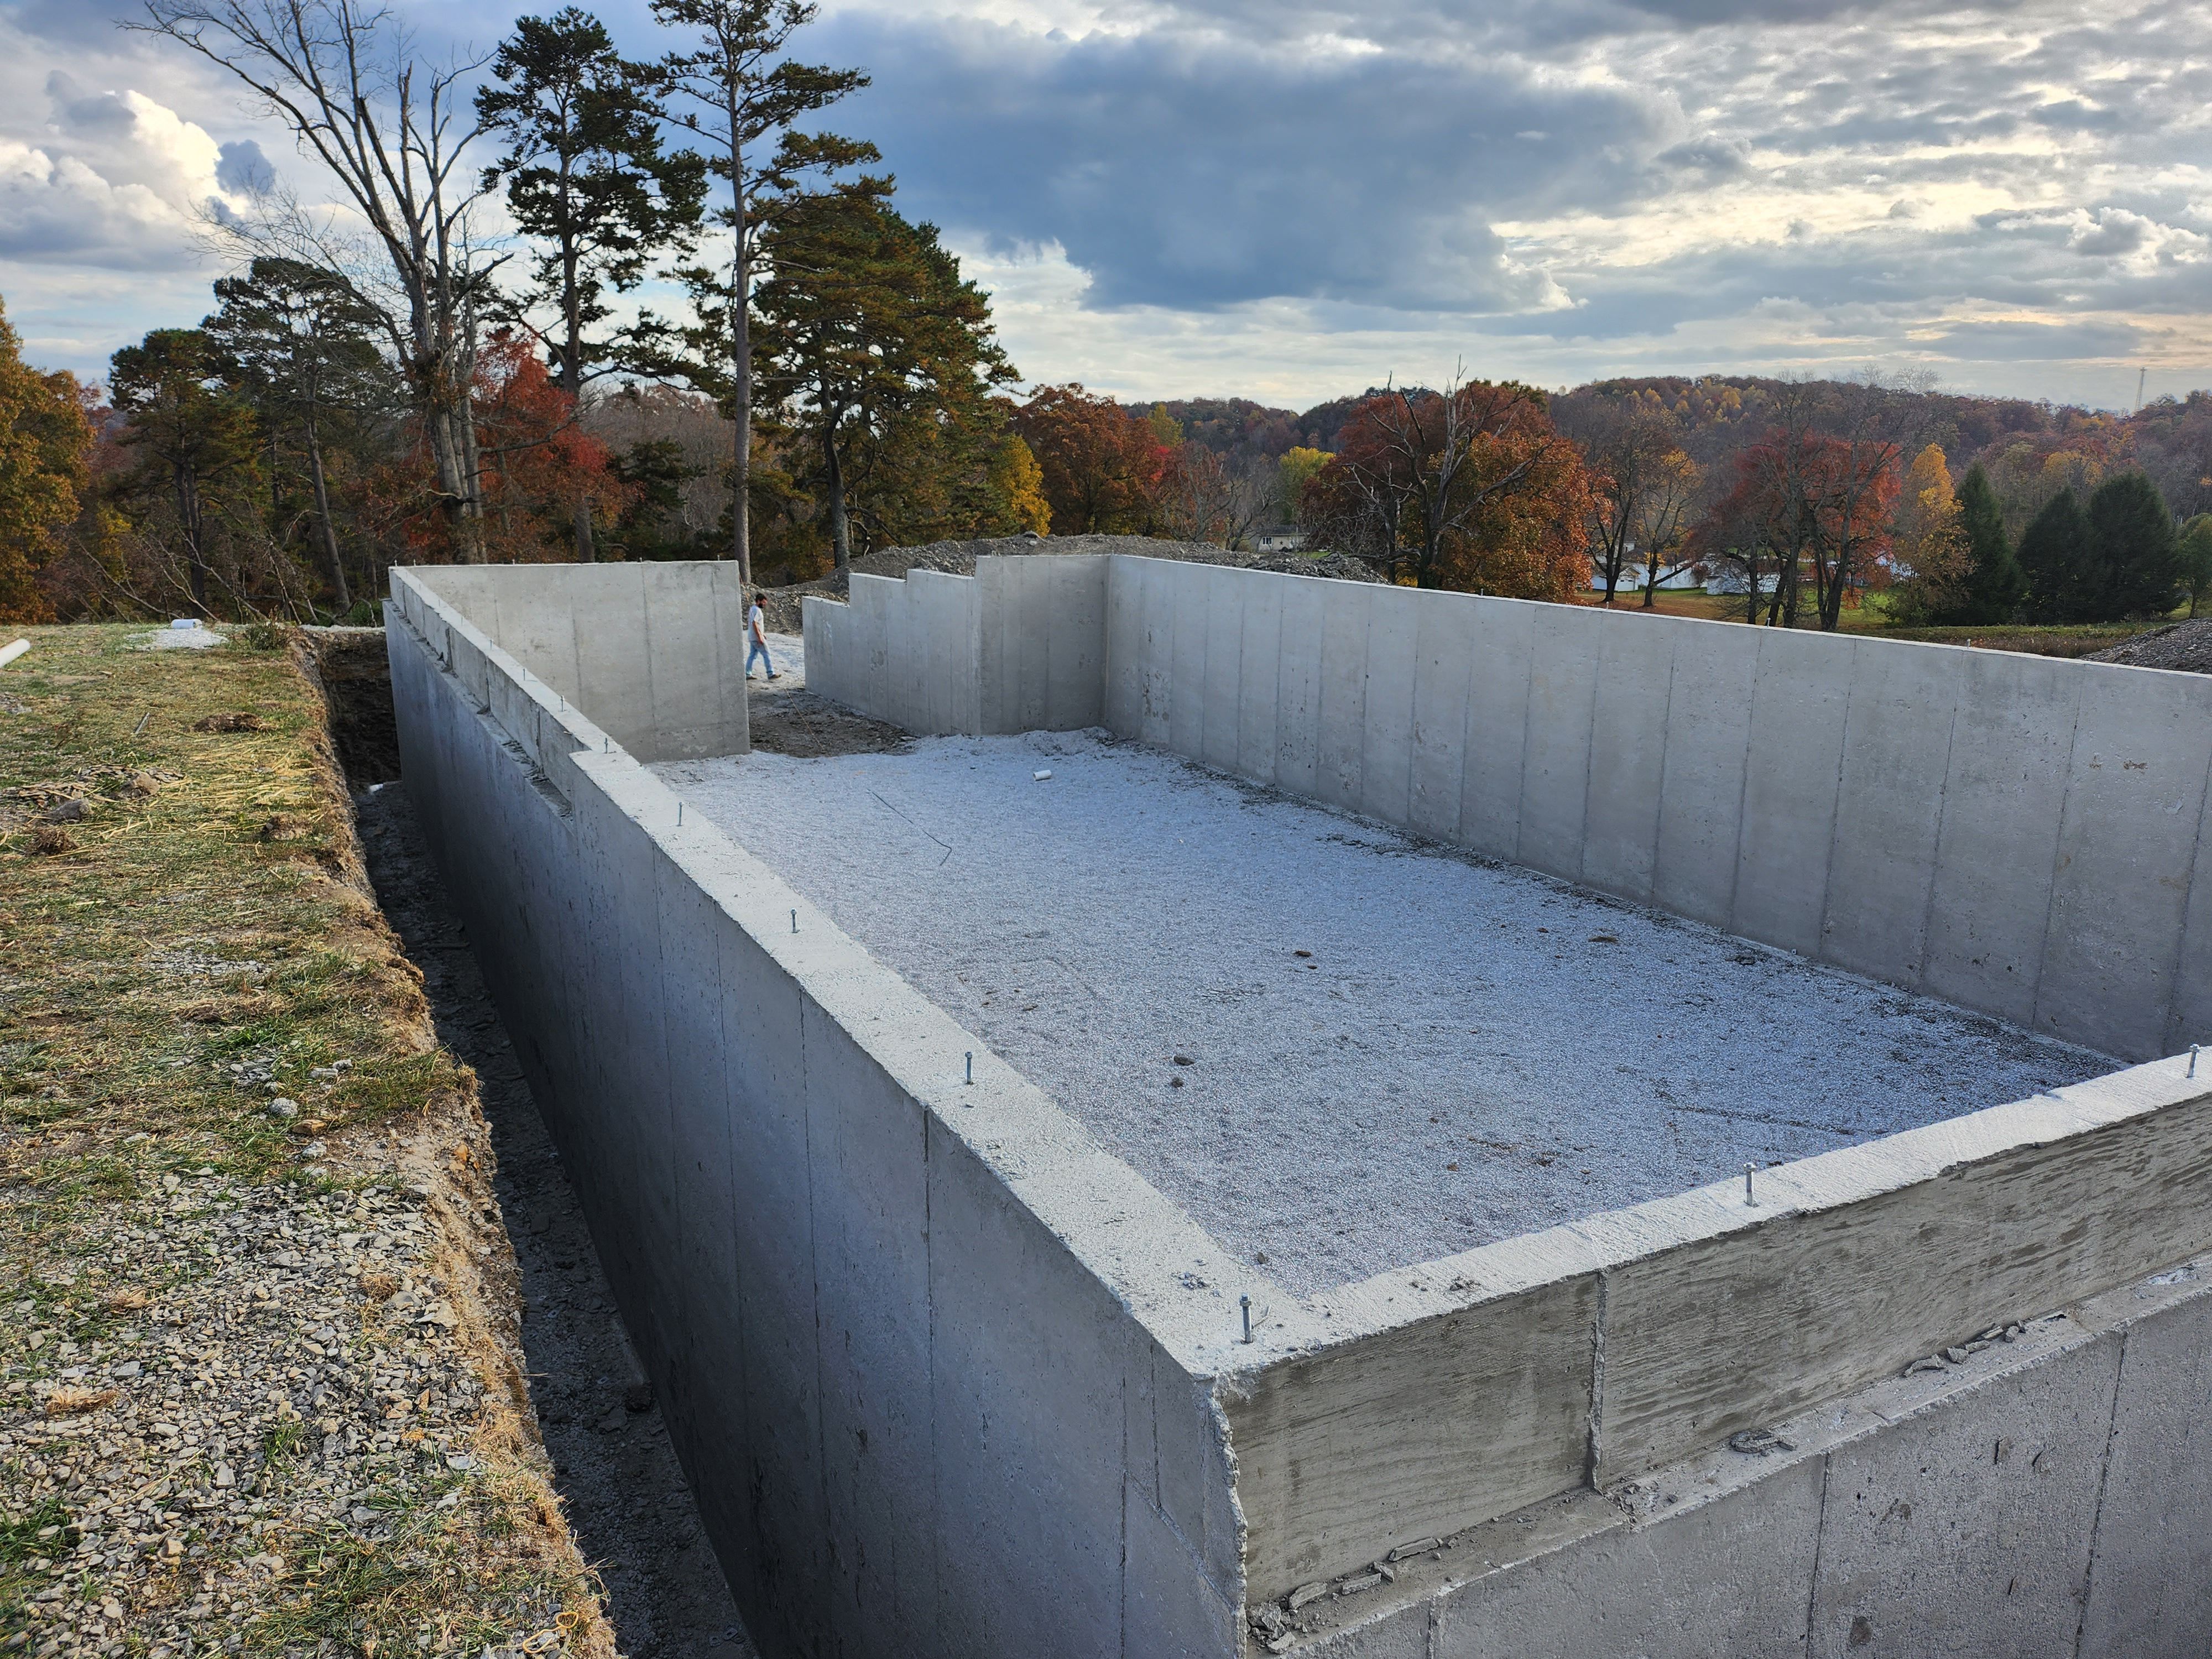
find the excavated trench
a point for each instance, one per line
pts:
(627, 1500)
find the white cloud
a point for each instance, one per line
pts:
(1293, 199)
(116, 180)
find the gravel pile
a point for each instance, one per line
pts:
(783, 609)
(1338, 1048)
(2186, 646)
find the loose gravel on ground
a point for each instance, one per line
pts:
(2186, 646)
(1340, 1048)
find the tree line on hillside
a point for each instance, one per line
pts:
(384, 380)
(1799, 496)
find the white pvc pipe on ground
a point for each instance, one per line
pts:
(10, 653)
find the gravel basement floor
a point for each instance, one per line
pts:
(1340, 1048)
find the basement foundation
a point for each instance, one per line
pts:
(949, 1324)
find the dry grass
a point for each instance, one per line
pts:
(203, 921)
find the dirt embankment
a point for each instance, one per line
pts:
(782, 604)
(262, 1384)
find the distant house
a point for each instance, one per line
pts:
(1735, 581)
(1631, 580)
(1283, 539)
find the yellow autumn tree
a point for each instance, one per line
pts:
(45, 444)
(1926, 538)
(1297, 467)
(1017, 486)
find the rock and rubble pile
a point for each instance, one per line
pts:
(2185, 645)
(782, 604)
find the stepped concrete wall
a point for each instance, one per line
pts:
(2021, 835)
(948, 1379)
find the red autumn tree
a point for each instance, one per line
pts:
(1806, 506)
(1103, 468)
(541, 468)
(1471, 487)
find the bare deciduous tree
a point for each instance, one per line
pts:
(394, 133)
(1642, 487)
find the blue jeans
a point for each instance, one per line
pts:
(761, 651)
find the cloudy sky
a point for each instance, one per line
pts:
(1289, 199)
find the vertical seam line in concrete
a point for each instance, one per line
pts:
(929, 1372)
(1836, 811)
(1593, 1429)
(2173, 1032)
(814, 1283)
(1819, 1534)
(1935, 853)
(2104, 1479)
(1743, 781)
(1659, 787)
(1527, 719)
(1466, 739)
(1121, 1596)
(1237, 678)
(651, 691)
(2058, 856)
(1589, 763)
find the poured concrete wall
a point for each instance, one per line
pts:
(950, 1380)
(1020, 647)
(2017, 834)
(1599, 1353)
(935, 1364)
(905, 651)
(657, 652)
(2048, 1497)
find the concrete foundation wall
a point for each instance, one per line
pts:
(2044, 1496)
(657, 652)
(939, 1369)
(2017, 834)
(951, 1380)
(906, 651)
(1596, 1354)
(2011, 833)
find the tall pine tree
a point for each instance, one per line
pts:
(1991, 588)
(299, 341)
(2054, 557)
(587, 177)
(194, 436)
(2133, 548)
(877, 350)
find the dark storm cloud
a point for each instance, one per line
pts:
(1229, 151)
(1187, 174)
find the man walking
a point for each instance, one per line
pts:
(756, 641)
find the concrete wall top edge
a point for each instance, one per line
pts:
(1427, 1587)
(1833, 1180)
(563, 715)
